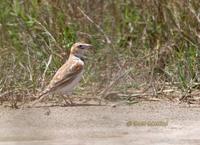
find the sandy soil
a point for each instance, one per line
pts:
(152, 123)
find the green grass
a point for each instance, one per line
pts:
(145, 36)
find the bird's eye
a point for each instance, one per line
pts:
(81, 46)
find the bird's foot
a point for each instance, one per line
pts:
(68, 101)
(67, 104)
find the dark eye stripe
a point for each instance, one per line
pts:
(81, 46)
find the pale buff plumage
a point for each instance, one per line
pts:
(68, 75)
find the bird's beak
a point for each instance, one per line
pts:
(89, 46)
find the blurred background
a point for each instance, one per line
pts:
(143, 48)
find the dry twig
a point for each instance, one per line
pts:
(96, 25)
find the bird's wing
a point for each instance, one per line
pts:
(65, 75)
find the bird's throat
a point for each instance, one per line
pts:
(80, 57)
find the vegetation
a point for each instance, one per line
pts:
(142, 47)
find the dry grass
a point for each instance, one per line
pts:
(155, 43)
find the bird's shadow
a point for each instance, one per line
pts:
(71, 105)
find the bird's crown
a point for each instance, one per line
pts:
(79, 48)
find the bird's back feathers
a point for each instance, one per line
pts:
(64, 76)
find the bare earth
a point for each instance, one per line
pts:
(152, 123)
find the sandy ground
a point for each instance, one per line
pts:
(152, 123)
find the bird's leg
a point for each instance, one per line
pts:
(68, 100)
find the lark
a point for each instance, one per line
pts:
(68, 75)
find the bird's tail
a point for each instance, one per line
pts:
(39, 97)
(41, 94)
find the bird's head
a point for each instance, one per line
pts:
(79, 49)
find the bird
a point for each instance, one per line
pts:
(68, 75)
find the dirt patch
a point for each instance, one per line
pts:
(141, 123)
